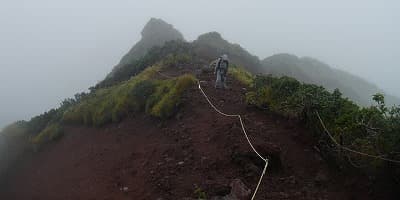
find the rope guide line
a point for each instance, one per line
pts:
(245, 134)
(230, 115)
(243, 129)
(351, 150)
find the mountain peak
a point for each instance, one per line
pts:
(156, 27)
(211, 35)
(212, 38)
(155, 33)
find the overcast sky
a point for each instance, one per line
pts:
(52, 49)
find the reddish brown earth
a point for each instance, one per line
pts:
(198, 148)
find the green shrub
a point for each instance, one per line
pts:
(174, 59)
(200, 194)
(50, 133)
(167, 98)
(111, 104)
(171, 52)
(159, 98)
(242, 75)
(374, 130)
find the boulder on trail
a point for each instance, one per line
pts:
(252, 164)
(239, 191)
(321, 177)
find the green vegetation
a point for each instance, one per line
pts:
(38, 124)
(50, 133)
(126, 94)
(159, 98)
(153, 56)
(111, 104)
(167, 96)
(112, 100)
(241, 75)
(200, 194)
(134, 87)
(374, 130)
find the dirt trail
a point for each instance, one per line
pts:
(143, 158)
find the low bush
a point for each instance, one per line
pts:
(50, 133)
(241, 75)
(374, 130)
(158, 98)
(169, 52)
(167, 97)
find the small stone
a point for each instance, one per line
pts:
(284, 195)
(181, 163)
(168, 159)
(321, 177)
(297, 194)
(292, 180)
(239, 190)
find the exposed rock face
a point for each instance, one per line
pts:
(155, 33)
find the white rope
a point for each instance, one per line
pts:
(243, 129)
(245, 134)
(259, 181)
(230, 115)
(351, 150)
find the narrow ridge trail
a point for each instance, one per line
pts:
(143, 158)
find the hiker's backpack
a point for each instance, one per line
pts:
(223, 65)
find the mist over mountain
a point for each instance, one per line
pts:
(151, 126)
(155, 33)
(211, 45)
(305, 69)
(73, 47)
(214, 45)
(310, 70)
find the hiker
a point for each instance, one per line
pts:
(221, 70)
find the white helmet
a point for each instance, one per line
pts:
(224, 57)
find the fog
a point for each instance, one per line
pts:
(52, 49)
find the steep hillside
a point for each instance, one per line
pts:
(310, 70)
(198, 153)
(147, 132)
(155, 33)
(154, 55)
